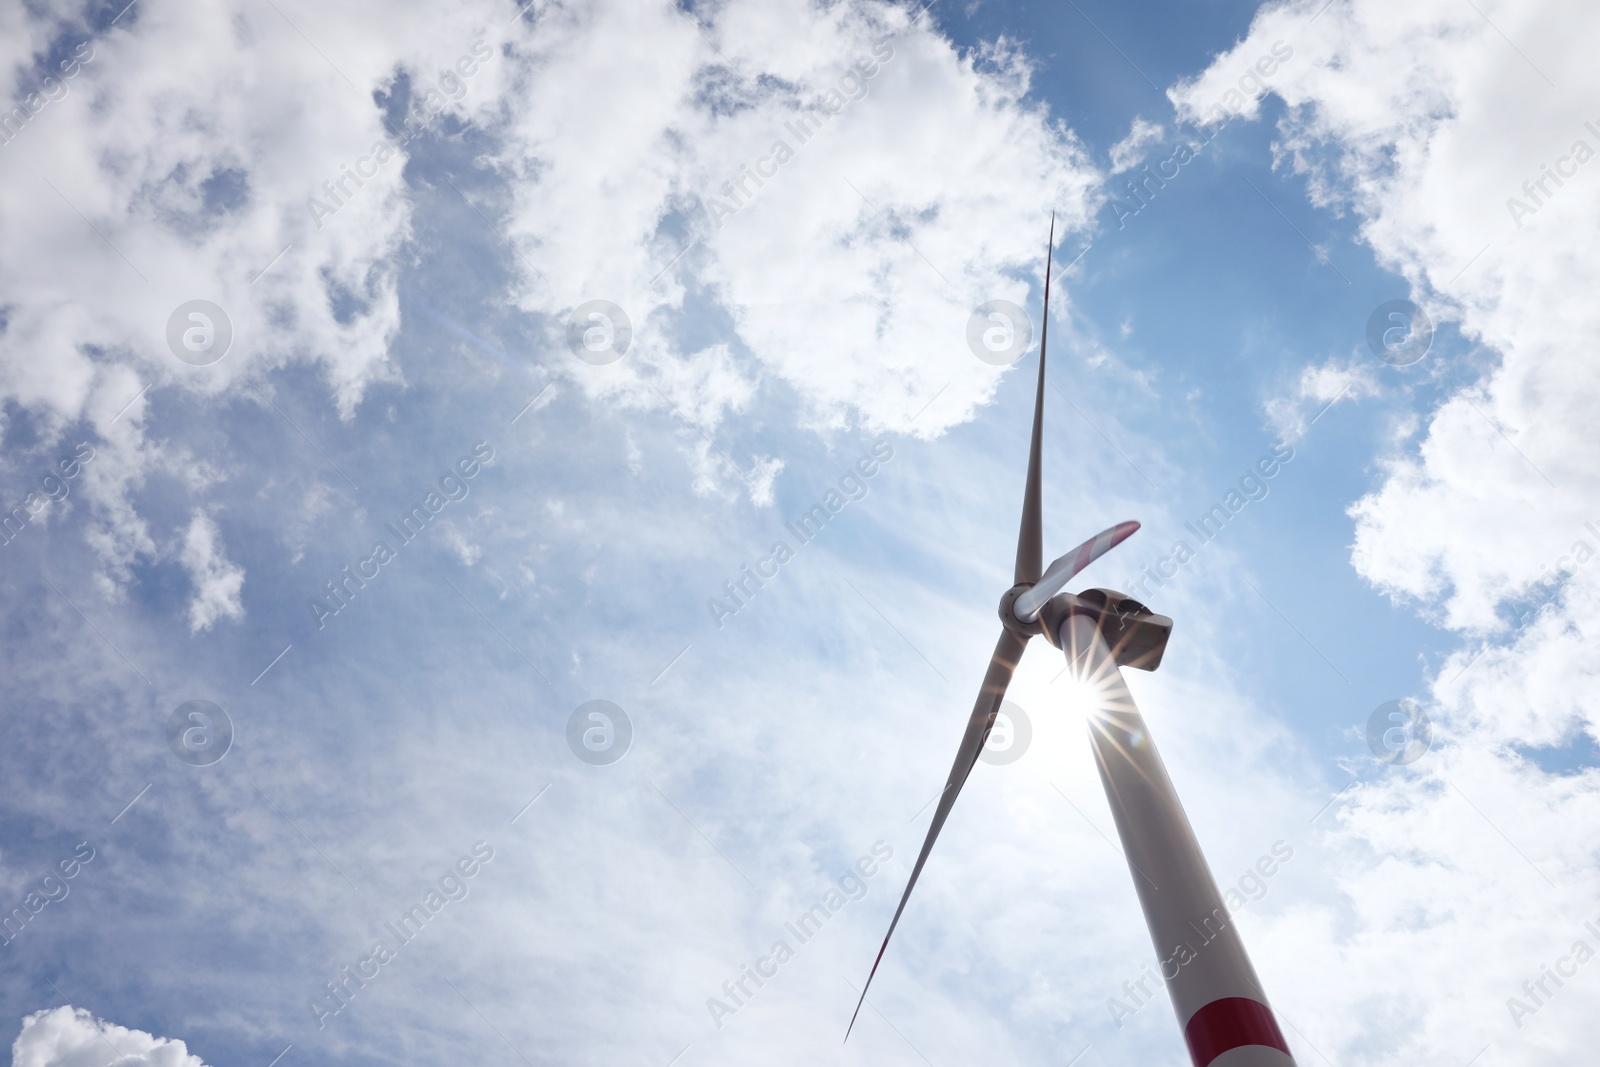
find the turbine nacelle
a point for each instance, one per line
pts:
(1136, 635)
(1026, 608)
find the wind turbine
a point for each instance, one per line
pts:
(1220, 1005)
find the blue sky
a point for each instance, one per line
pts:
(383, 351)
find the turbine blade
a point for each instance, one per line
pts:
(995, 681)
(1030, 539)
(1027, 605)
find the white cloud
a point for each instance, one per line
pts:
(217, 582)
(1319, 387)
(762, 478)
(72, 1037)
(1476, 868)
(831, 301)
(302, 524)
(849, 278)
(847, 272)
(179, 165)
(1425, 125)
(1129, 152)
(190, 189)
(465, 549)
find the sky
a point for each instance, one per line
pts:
(413, 650)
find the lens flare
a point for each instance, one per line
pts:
(1080, 695)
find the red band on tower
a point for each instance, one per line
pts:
(1229, 1023)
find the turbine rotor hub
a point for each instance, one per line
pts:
(1008, 614)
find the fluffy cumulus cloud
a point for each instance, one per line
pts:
(1463, 137)
(789, 202)
(842, 184)
(72, 1037)
(240, 156)
(171, 157)
(797, 208)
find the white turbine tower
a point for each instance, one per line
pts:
(1218, 1000)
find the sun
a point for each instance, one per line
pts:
(1081, 696)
